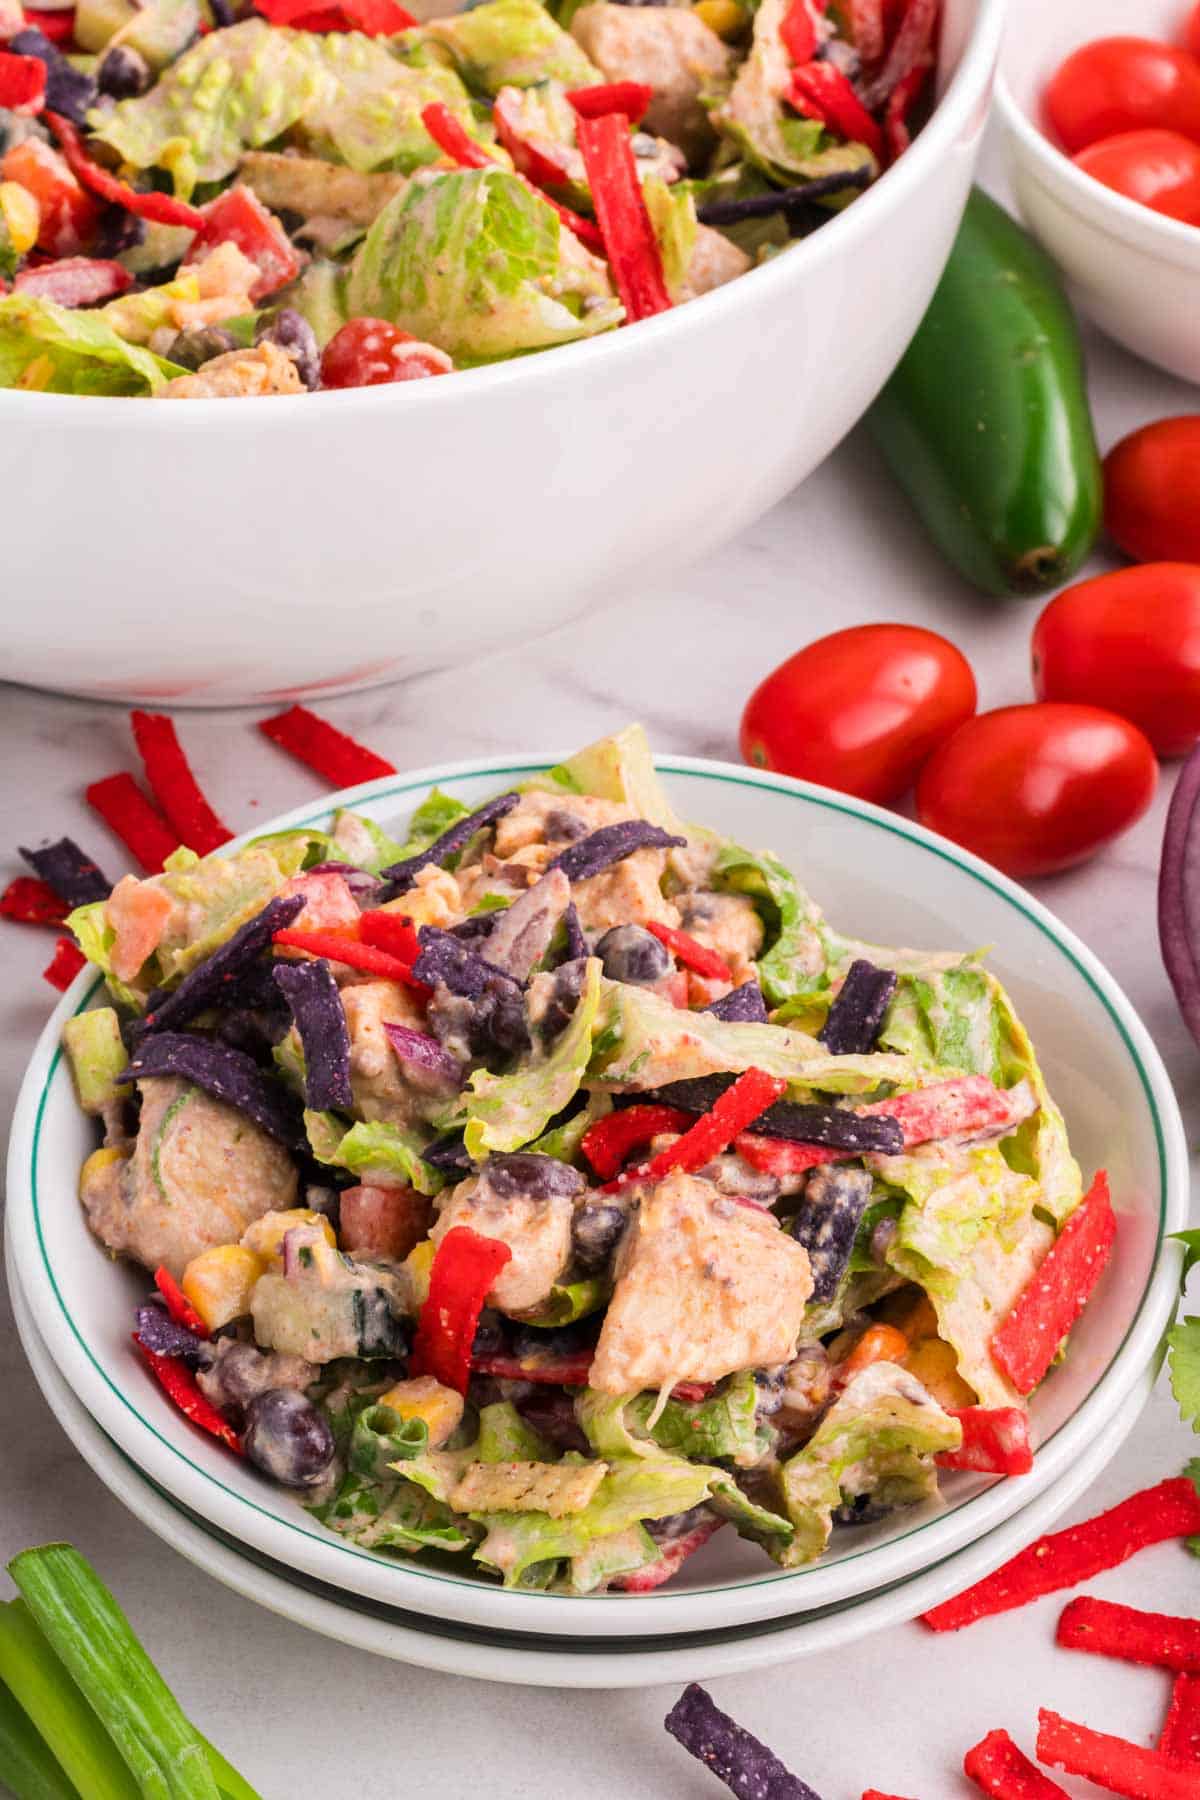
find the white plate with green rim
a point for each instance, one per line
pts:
(878, 876)
(530, 1658)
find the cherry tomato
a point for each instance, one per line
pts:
(1038, 788)
(1191, 34)
(1159, 169)
(1123, 84)
(1130, 642)
(860, 710)
(1152, 491)
(367, 352)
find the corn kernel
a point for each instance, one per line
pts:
(725, 17)
(21, 215)
(424, 1398)
(98, 1162)
(935, 1365)
(418, 1263)
(220, 1281)
(265, 1237)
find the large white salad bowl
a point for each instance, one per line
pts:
(217, 552)
(882, 879)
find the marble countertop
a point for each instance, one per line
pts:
(302, 1715)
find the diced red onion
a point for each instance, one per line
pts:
(424, 1060)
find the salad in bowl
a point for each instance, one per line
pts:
(549, 1187)
(199, 200)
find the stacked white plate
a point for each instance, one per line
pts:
(729, 1609)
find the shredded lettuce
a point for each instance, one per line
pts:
(504, 1112)
(505, 1437)
(725, 1425)
(374, 1148)
(797, 961)
(510, 43)
(619, 768)
(60, 350)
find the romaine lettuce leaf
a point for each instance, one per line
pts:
(510, 43)
(617, 1554)
(619, 768)
(563, 1141)
(387, 1152)
(60, 350)
(724, 1425)
(478, 262)
(878, 1438)
(968, 1235)
(797, 961)
(504, 1112)
(505, 1437)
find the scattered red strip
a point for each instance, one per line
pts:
(1181, 1733)
(65, 964)
(674, 1555)
(798, 33)
(995, 1441)
(22, 82)
(611, 1139)
(1065, 1558)
(32, 902)
(629, 98)
(1131, 1635)
(1112, 1762)
(1001, 1769)
(450, 136)
(691, 954)
(561, 1371)
(343, 947)
(174, 786)
(715, 1130)
(127, 812)
(629, 240)
(1027, 1342)
(178, 1304)
(322, 747)
(465, 1267)
(897, 134)
(180, 1384)
(161, 209)
(374, 18)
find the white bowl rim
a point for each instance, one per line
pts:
(899, 185)
(1127, 219)
(541, 1664)
(761, 1595)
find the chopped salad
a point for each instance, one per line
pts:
(220, 198)
(551, 1187)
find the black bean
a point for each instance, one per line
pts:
(563, 827)
(596, 1230)
(117, 232)
(525, 1172)
(124, 73)
(290, 331)
(288, 1438)
(633, 954)
(191, 349)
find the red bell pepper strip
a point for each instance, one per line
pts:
(174, 786)
(28, 901)
(1130, 1635)
(552, 1369)
(542, 162)
(181, 1386)
(866, 26)
(239, 217)
(465, 1267)
(691, 954)
(608, 1142)
(1065, 1558)
(178, 1304)
(897, 137)
(819, 90)
(141, 828)
(997, 1766)
(780, 1156)
(910, 46)
(374, 18)
(22, 82)
(323, 748)
(1112, 1762)
(1027, 1341)
(67, 215)
(629, 98)
(160, 209)
(65, 964)
(393, 932)
(629, 240)
(75, 280)
(995, 1441)
(450, 136)
(674, 1555)
(345, 947)
(715, 1130)
(1180, 1738)
(798, 32)
(59, 27)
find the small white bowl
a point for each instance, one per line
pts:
(1136, 272)
(881, 878)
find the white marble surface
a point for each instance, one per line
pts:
(304, 1716)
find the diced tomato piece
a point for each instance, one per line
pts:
(328, 902)
(137, 912)
(75, 280)
(22, 82)
(68, 214)
(370, 352)
(239, 217)
(995, 1441)
(382, 1222)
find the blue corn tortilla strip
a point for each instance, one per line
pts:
(447, 959)
(834, 1126)
(734, 1755)
(831, 1212)
(75, 877)
(576, 944)
(741, 1006)
(479, 925)
(312, 994)
(852, 1028)
(214, 981)
(401, 876)
(599, 850)
(158, 1331)
(227, 1074)
(785, 200)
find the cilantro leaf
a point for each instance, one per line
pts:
(1183, 1354)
